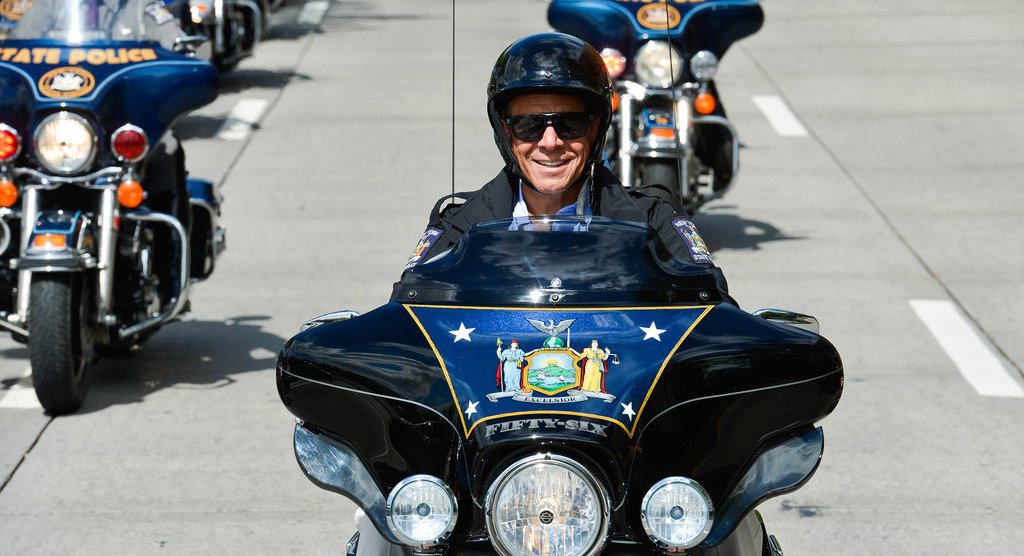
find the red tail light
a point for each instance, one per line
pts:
(129, 143)
(614, 61)
(10, 143)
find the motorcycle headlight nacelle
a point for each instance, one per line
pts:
(704, 65)
(658, 64)
(547, 505)
(677, 513)
(65, 143)
(421, 511)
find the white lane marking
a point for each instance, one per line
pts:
(242, 119)
(780, 116)
(976, 362)
(313, 12)
(21, 395)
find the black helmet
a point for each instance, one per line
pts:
(549, 63)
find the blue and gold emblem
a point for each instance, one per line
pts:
(600, 363)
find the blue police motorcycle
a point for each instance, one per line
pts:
(92, 258)
(669, 127)
(10, 12)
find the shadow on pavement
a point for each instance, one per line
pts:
(198, 355)
(196, 126)
(722, 230)
(255, 78)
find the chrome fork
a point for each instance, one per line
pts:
(29, 210)
(108, 243)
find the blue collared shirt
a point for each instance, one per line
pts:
(521, 214)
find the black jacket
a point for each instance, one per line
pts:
(497, 199)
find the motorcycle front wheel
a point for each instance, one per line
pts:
(664, 171)
(60, 342)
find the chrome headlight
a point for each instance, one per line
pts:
(547, 505)
(65, 143)
(421, 511)
(704, 65)
(677, 513)
(658, 64)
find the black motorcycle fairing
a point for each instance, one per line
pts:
(722, 400)
(735, 387)
(397, 414)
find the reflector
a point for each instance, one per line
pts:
(50, 241)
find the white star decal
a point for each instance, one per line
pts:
(627, 410)
(471, 408)
(652, 331)
(462, 333)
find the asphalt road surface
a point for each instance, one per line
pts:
(880, 190)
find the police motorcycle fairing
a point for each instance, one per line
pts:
(233, 27)
(87, 265)
(670, 127)
(566, 392)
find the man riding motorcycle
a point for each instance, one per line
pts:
(549, 102)
(144, 20)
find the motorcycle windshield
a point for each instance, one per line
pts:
(78, 21)
(555, 259)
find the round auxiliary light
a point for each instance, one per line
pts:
(8, 195)
(547, 505)
(677, 513)
(421, 511)
(129, 143)
(65, 143)
(658, 64)
(614, 62)
(704, 65)
(10, 143)
(130, 193)
(705, 103)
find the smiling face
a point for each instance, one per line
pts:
(551, 164)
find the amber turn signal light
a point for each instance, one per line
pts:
(50, 241)
(705, 103)
(8, 193)
(130, 194)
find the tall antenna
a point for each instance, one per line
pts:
(453, 101)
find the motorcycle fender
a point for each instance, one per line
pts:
(60, 242)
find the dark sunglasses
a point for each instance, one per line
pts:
(531, 127)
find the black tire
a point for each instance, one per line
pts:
(663, 172)
(60, 341)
